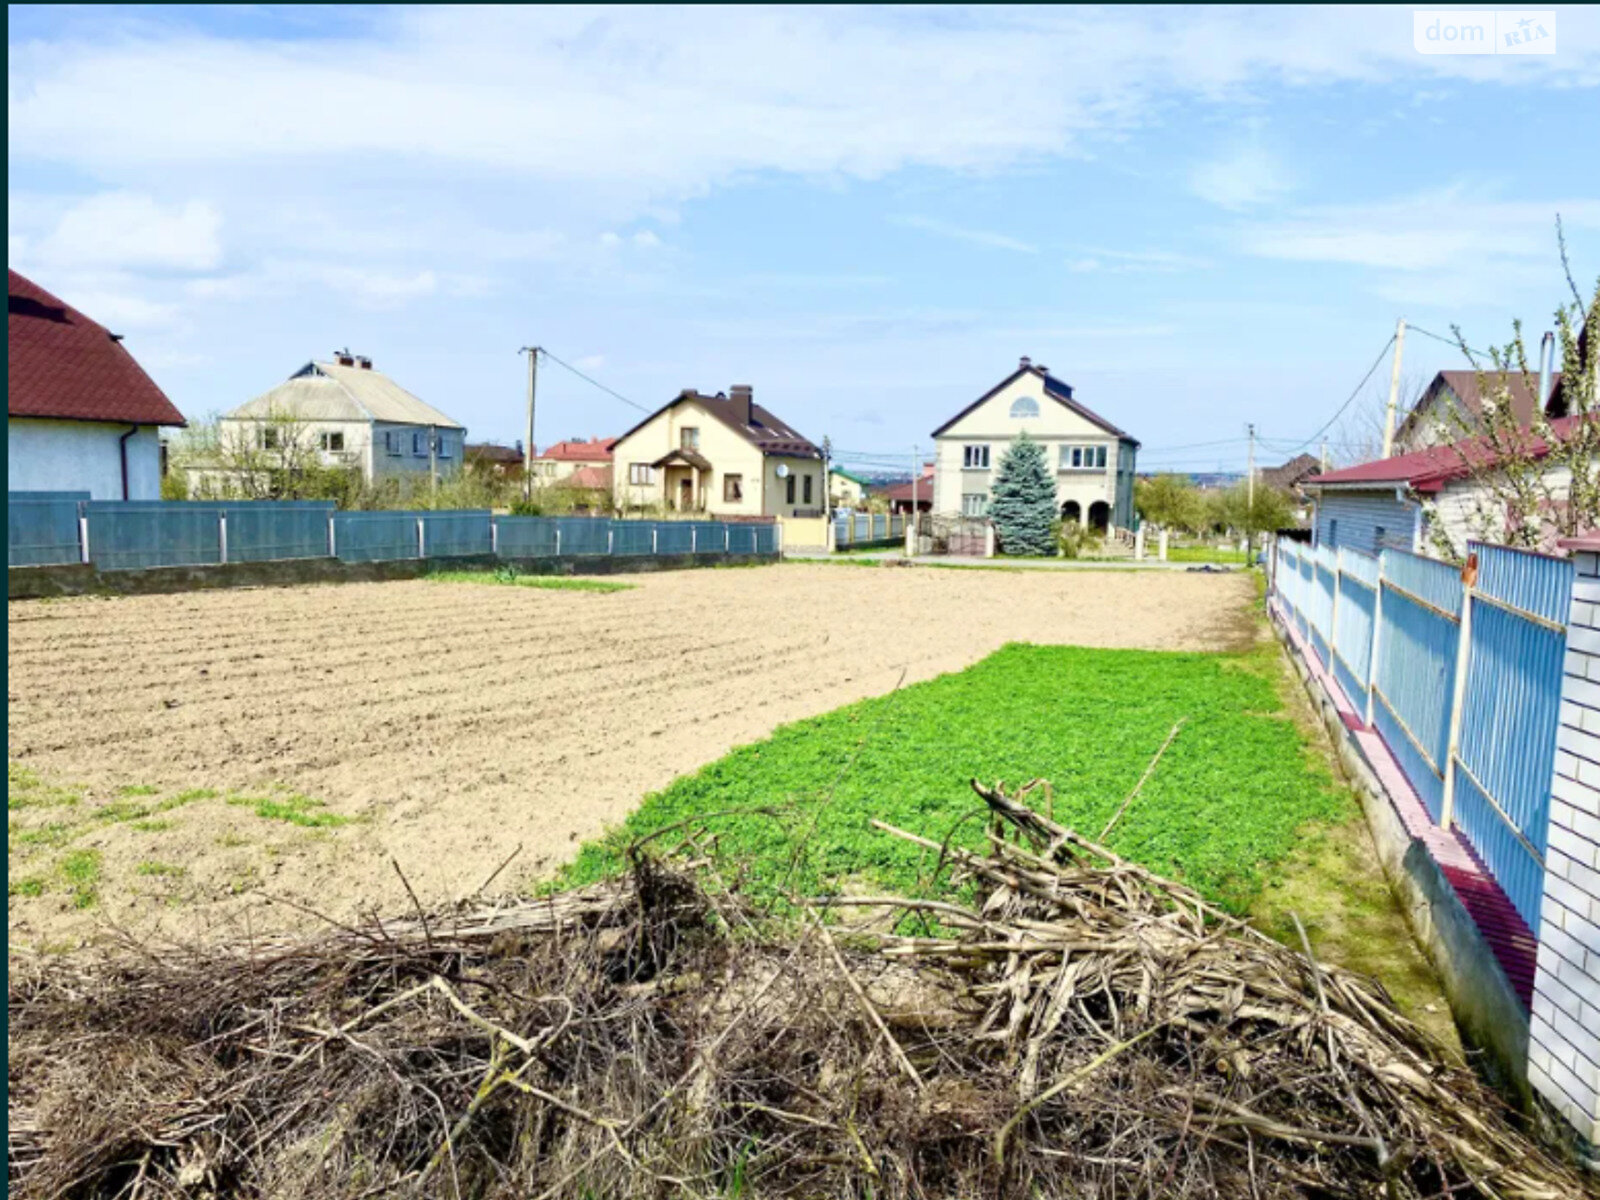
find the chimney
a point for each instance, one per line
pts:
(1024, 362)
(344, 358)
(364, 362)
(742, 395)
(1043, 370)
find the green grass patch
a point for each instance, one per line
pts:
(295, 809)
(32, 886)
(554, 583)
(155, 825)
(56, 833)
(26, 788)
(1224, 805)
(1205, 554)
(188, 796)
(138, 789)
(150, 867)
(80, 869)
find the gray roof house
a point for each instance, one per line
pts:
(350, 415)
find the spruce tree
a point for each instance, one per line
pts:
(1023, 501)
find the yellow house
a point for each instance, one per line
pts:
(723, 455)
(847, 490)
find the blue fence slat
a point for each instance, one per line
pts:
(633, 537)
(1353, 622)
(1535, 583)
(269, 530)
(1519, 874)
(42, 528)
(1415, 680)
(130, 535)
(457, 533)
(674, 537)
(375, 536)
(1434, 582)
(525, 537)
(584, 535)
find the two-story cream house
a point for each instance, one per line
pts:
(723, 455)
(1091, 460)
(349, 415)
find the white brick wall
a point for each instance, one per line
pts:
(1564, 1044)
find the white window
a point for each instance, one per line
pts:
(1024, 406)
(1083, 458)
(641, 474)
(974, 504)
(689, 438)
(975, 458)
(1100, 456)
(333, 441)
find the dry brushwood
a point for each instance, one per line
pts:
(1083, 1028)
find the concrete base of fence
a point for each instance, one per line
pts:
(38, 583)
(1488, 1014)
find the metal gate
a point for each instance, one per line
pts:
(966, 537)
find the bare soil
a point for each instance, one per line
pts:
(442, 725)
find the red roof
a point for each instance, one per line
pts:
(590, 477)
(64, 365)
(1429, 470)
(595, 450)
(1584, 541)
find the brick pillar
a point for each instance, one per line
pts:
(1564, 1033)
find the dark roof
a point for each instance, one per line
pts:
(1523, 388)
(1054, 388)
(765, 431)
(493, 452)
(1429, 470)
(66, 366)
(1292, 472)
(689, 458)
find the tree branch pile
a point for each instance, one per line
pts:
(1080, 1027)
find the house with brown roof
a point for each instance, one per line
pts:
(82, 415)
(724, 455)
(914, 495)
(492, 458)
(1091, 460)
(1452, 406)
(1292, 476)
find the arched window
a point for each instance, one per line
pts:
(1024, 406)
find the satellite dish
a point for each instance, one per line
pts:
(783, 471)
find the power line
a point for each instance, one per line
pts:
(1352, 397)
(1447, 341)
(595, 382)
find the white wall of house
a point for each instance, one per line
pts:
(65, 456)
(993, 425)
(1564, 1032)
(1463, 509)
(360, 444)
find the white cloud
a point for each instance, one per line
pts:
(1131, 262)
(978, 237)
(116, 231)
(1243, 178)
(1449, 246)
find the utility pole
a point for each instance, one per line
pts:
(1394, 388)
(1250, 491)
(527, 452)
(433, 458)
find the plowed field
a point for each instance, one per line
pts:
(177, 759)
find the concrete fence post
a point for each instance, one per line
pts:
(1564, 1028)
(1138, 545)
(611, 539)
(727, 537)
(222, 536)
(655, 539)
(1372, 652)
(1447, 809)
(777, 538)
(422, 539)
(988, 541)
(558, 541)
(494, 537)
(830, 535)
(1161, 545)
(694, 539)
(333, 539)
(83, 533)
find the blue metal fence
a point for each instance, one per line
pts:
(457, 533)
(375, 536)
(131, 535)
(855, 529)
(272, 530)
(122, 535)
(1505, 758)
(42, 528)
(1403, 627)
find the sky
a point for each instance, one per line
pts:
(1200, 218)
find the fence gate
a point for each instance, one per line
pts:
(967, 537)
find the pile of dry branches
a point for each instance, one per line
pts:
(1083, 1029)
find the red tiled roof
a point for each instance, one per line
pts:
(1522, 390)
(1584, 541)
(65, 366)
(1429, 470)
(597, 450)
